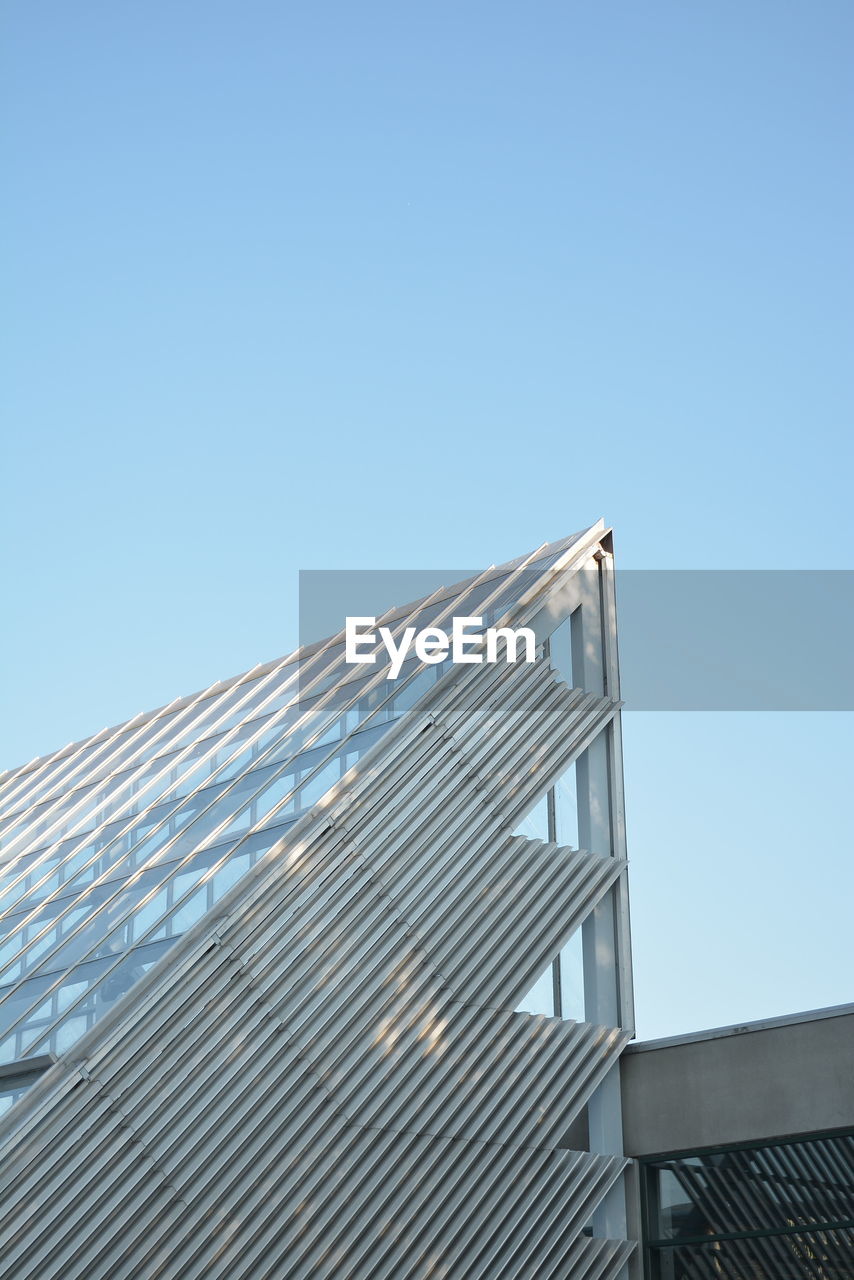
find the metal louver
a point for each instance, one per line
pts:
(324, 1077)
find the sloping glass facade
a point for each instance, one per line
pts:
(265, 952)
(111, 850)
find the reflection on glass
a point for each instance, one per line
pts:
(782, 1211)
(816, 1255)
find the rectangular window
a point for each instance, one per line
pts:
(779, 1211)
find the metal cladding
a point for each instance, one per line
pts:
(325, 1077)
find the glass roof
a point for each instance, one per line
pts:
(112, 848)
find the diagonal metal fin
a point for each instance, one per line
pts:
(324, 1078)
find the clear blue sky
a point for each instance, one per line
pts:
(391, 286)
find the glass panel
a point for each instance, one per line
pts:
(413, 691)
(311, 791)
(191, 910)
(535, 824)
(9, 1096)
(92, 804)
(753, 1188)
(108, 944)
(100, 997)
(167, 732)
(540, 999)
(566, 809)
(572, 979)
(819, 1255)
(560, 650)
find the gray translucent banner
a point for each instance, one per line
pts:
(690, 640)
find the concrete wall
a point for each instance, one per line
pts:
(764, 1080)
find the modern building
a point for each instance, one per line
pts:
(323, 974)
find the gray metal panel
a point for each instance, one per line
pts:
(310, 1083)
(760, 1080)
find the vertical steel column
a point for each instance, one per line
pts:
(601, 830)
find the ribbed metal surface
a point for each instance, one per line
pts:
(324, 1077)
